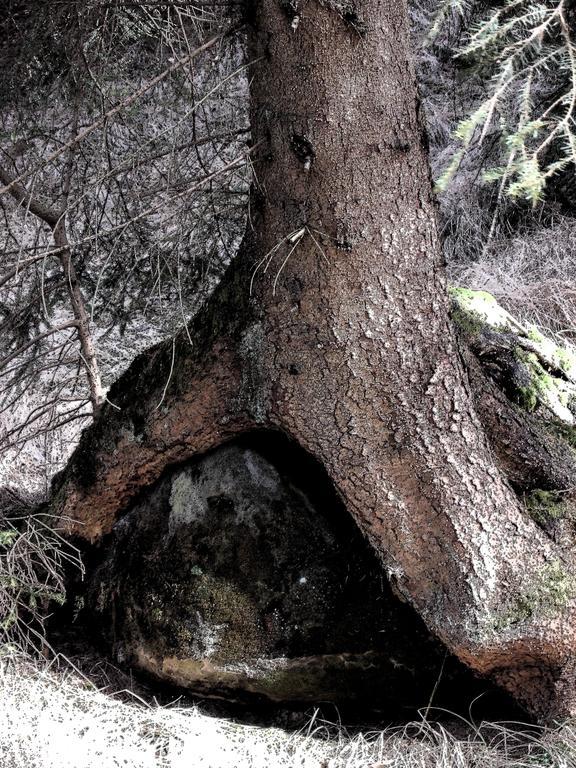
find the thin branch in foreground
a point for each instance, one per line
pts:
(107, 116)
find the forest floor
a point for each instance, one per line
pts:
(83, 714)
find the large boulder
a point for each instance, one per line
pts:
(234, 577)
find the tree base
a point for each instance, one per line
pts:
(241, 576)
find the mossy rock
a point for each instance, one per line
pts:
(229, 579)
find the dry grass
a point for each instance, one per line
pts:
(532, 274)
(51, 718)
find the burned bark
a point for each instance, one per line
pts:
(332, 327)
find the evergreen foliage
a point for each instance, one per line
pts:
(528, 48)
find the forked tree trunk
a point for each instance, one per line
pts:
(345, 344)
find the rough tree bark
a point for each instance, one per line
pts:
(332, 326)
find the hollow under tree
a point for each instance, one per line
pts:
(332, 326)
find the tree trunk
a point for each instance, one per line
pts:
(332, 326)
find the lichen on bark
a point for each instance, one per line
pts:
(552, 591)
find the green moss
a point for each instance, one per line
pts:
(463, 295)
(534, 334)
(527, 398)
(531, 395)
(545, 389)
(474, 311)
(467, 322)
(543, 506)
(567, 361)
(202, 614)
(557, 587)
(7, 538)
(565, 432)
(293, 684)
(547, 596)
(221, 603)
(559, 357)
